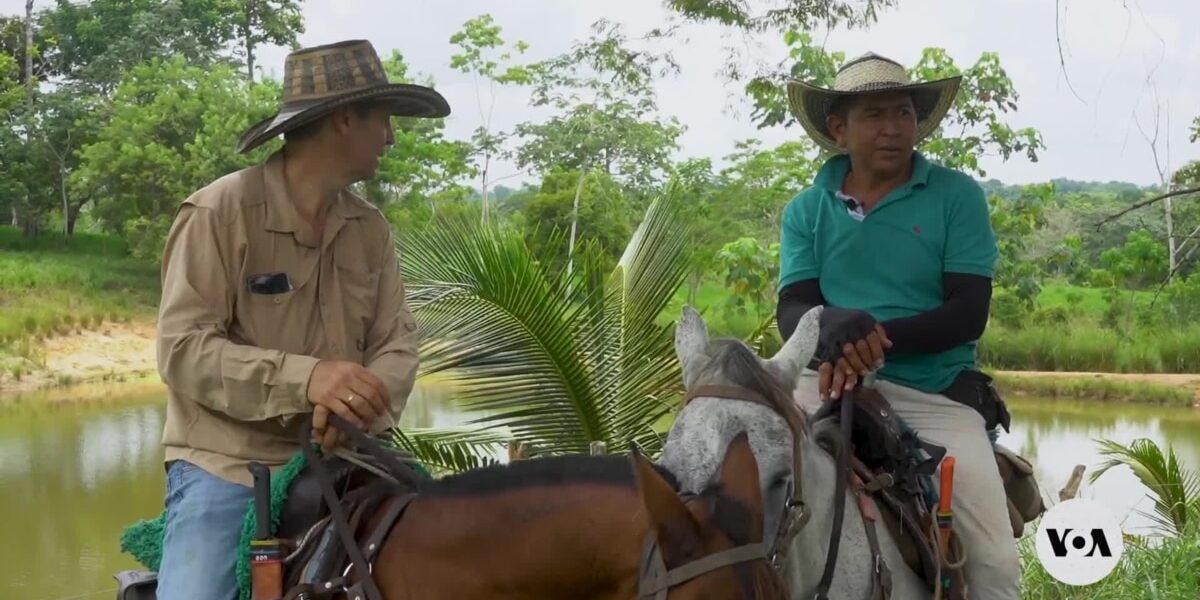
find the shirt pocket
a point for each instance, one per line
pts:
(281, 320)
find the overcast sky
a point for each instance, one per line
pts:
(1118, 54)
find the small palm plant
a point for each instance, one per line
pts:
(1176, 491)
(554, 358)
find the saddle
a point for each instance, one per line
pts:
(314, 553)
(324, 523)
(894, 466)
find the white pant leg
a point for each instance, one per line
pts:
(993, 566)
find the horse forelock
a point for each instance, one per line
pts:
(734, 363)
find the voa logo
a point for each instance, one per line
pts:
(1079, 541)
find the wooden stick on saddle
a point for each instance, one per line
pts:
(266, 555)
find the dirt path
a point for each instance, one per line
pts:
(1191, 380)
(113, 350)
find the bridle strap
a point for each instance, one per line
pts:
(656, 579)
(791, 525)
(839, 495)
(731, 392)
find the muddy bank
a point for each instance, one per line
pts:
(111, 352)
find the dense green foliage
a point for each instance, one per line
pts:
(550, 305)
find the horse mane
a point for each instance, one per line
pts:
(570, 469)
(742, 367)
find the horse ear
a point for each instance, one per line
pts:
(791, 359)
(691, 342)
(677, 532)
(739, 480)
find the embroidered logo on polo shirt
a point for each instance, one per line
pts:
(917, 229)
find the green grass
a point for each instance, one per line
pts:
(1150, 568)
(1095, 388)
(1082, 302)
(51, 285)
(711, 300)
(1080, 347)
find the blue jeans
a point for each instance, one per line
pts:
(201, 534)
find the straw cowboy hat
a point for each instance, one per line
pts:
(319, 79)
(867, 74)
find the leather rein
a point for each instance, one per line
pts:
(363, 586)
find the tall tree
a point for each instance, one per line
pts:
(606, 121)
(483, 54)
(790, 14)
(95, 43)
(258, 22)
(172, 128)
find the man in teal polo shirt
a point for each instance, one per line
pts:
(901, 253)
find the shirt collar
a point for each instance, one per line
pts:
(832, 174)
(282, 215)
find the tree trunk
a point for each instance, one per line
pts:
(72, 217)
(29, 50)
(62, 185)
(483, 190)
(575, 221)
(248, 40)
(1171, 256)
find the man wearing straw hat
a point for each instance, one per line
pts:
(282, 300)
(901, 253)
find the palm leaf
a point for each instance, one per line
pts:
(557, 359)
(1176, 492)
(451, 449)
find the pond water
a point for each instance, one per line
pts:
(75, 471)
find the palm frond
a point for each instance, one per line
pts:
(557, 359)
(1176, 491)
(451, 450)
(496, 321)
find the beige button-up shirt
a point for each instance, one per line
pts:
(236, 362)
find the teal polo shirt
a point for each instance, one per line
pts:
(889, 262)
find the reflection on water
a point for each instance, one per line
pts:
(74, 474)
(1057, 435)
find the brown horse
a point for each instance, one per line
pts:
(577, 527)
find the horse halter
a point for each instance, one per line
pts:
(795, 515)
(654, 579)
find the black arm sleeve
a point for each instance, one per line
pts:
(795, 299)
(961, 318)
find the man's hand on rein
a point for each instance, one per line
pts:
(348, 390)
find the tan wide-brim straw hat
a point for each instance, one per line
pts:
(869, 73)
(319, 79)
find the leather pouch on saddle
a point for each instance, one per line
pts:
(975, 389)
(1020, 486)
(883, 444)
(897, 469)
